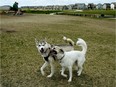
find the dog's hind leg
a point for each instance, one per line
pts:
(52, 70)
(70, 73)
(62, 73)
(76, 65)
(42, 68)
(80, 68)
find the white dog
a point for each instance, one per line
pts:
(45, 49)
(67, 59)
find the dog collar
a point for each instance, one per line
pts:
(62, 57)
(46, 58)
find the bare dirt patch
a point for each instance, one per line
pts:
(7, 30)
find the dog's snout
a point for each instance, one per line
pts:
(42, 50)
(53, 52)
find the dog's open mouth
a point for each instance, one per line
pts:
(42, 50)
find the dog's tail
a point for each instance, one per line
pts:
(68, 40)
(83, 44)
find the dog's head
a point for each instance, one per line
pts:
(57, 52)
(42, 45)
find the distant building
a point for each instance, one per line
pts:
(99, 6)
(91, 6)
(113, 5)
(76, 6)
(58, 7)
(70, 7)
(5, 7)
(106, 6)
(81, 6)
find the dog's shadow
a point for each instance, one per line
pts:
(82, 80)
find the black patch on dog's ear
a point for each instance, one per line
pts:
(61, 50)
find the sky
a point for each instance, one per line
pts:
(51, 2)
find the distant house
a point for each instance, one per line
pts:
(75, 6)
(5, 7)
(81, 6)
(70, 7)
(91, 6)
(49, 7)
(65, 7)
(57, 7)
(106, 6)
(99, 6)
(113, 5)
(40, 7)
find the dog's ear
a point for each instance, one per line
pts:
(61, 50)
(45, 39)
(36, 42)
(52, 46)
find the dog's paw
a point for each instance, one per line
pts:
(64, 75)
(69, 80)
(78, 73)
(49, 76)
(42, 72)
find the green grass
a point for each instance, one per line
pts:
(105, 12)
(20, 60)
(42, 11)
(95, 13)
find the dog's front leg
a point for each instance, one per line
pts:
(42, 68)
(52, 70)
(70, 74)
(62, 73)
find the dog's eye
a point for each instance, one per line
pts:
(39, 45)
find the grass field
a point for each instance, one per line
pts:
(20, 60)
(105, 12)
